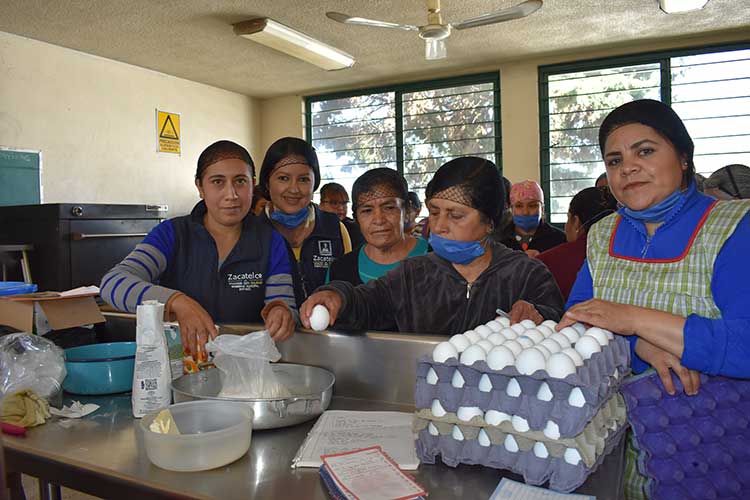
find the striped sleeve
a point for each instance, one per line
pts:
(134, 279)
(279, 280)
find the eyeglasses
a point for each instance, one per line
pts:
(334, 203)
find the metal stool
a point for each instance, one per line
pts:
(25, 268)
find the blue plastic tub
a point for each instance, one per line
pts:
(16, 288)
(98, 369)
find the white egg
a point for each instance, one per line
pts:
(466, 413)
(552, 430)
(534, 335)
(514, 347)
(550, 324)
(573, 354)
(518, 328)
(432, 377)
(494, 325)
(472, 336)
(576, 398)
(319, 318)
(460, 342)
(503, 321)
(437, 409)
(508, 333)
(546, 331)
(579, 327)
(587, 346)
(598, 334)
(525, 341)
(457, 434)
(510, 443)
(513, 389)
(496, 339)
(540, 451)
(543, 350)
(572, 456)
(458, 380)
(527, 323)
(444, 351)
(472, 354)
(561, 339)
(519, 423)
(485, 384)
(483, 438)
(494, 417)
(571, 334)
(486, 345)
(544, 393)
(529, 361)
(551, 345)
(432, 429)
(484, 331)
(500, 357)
(559, 365)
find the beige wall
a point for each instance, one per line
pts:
(94, 121)
(519, 99)
(280, 117)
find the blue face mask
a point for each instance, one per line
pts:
(527, 222)
(458, 252)
(658, 212)
(290, 220)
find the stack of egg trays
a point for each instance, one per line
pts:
(596, 379)
(691, 446)
(596, 441)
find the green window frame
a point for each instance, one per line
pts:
(673, 70)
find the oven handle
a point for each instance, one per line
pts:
(87, 236)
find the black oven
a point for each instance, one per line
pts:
(75, 244)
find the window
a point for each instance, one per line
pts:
(708, 88)
(412, 128)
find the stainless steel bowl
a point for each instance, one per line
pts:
(311, 389)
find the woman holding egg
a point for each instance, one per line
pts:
(464, 280)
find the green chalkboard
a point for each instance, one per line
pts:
(19, 177)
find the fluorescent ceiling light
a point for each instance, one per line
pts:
(277, 36)
(675, 6)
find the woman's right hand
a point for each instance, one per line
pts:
(196, 326)
(662, 361)
(331, 300)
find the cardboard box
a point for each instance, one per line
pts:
(24, 312)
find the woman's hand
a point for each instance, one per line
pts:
(331, 300)
(662, 361)
(196, 326)
(611, 316)
(522, 310)
(531, 252)
(279, 322)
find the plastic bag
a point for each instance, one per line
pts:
(31, 362)
(244, 363)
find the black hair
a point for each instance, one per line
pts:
(414, 202)
(592, 204)
(223, 150)
(602, 177)
(507, 185)
(379, 177)
(283, 148)
(333, 188)
(481, 180)
(659, 117)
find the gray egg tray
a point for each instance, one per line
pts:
(595, 379)
(597, 439)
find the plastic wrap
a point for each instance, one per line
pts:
(31, 362)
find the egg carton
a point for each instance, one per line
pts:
(555, 468)
(597, 379)
(691, 446)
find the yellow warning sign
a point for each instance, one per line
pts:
(167, 132)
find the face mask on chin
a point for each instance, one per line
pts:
(291, 221)
(457, 252)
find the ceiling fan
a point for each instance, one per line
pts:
(435, 31)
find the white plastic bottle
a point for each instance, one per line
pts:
(152, 375)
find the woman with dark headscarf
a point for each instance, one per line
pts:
(586, 208)
(669, 269)
(380, 206)
(289, 176)
(463, 281)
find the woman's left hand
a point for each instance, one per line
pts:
(280, 323)
(522, 310)
(611, 316)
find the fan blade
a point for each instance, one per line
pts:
(361, 21)
(520, 10)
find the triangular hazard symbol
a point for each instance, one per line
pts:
(168, 131)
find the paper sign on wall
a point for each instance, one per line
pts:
(167, 132)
